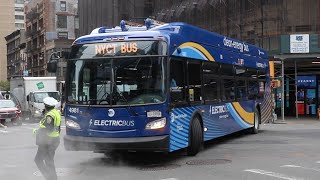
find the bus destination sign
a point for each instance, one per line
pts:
(113, 48)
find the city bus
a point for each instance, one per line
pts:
(162, 88)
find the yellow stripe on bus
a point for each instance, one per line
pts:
(200, 48)
(246, 116)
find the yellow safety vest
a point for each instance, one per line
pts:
(55, 115)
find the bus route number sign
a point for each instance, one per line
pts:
(113, 48)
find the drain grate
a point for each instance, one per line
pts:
(208, 161)
(159, 167)
(62, 172)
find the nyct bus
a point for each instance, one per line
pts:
(162, 88)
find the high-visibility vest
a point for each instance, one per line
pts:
(55, 115)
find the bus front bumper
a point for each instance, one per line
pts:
(153, 143)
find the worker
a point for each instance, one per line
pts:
(48, 139)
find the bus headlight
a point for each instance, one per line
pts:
(72, 124)
(157, 124)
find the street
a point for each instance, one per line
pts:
(279, 151)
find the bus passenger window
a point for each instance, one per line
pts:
(228, 93)
(241, 89)
(210, 81)
(253, 89)
(194, 82)
(177, 81)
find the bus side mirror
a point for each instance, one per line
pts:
(52, 66)
(65, 54)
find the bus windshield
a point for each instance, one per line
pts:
(116, 81)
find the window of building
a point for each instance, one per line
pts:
(19, 25)
(63, 6)
(19, 9)
(19, 1)
(62, 21)
(19, 17)
(63, 35)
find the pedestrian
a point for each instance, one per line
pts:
(48, 139)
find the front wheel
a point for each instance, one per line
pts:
(255, 128)
(196, 137)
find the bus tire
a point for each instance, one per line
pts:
(256, 124)
(196, 137)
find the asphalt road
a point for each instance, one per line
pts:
(280, 151)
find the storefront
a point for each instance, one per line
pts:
(298, 69)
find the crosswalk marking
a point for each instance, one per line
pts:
(295, 166)
(272, 174)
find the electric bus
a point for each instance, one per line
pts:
(162, 88)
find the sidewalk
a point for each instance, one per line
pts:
(300, 120)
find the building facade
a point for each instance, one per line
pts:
(288, 29)
(19, 15)
(50, 27)
(16, 54)
(6, 27)
(98, 13)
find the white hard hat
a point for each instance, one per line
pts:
(50, 101)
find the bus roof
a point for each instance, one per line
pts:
(179, 35)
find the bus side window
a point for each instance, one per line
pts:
(194, 77)
(210, 81)
(253, 84)
(241, 90)
(227, 83)
(177, 81)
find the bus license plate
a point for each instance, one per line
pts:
(154, 114)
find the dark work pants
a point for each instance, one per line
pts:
(45, 160)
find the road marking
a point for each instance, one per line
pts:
(272, 174)
(318, 162)
(4, 131)
(295, 166)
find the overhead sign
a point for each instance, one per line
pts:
(299, 43)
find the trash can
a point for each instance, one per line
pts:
(318, 113)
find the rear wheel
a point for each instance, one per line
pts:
(255, 128)
(196, 137)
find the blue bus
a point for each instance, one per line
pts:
(162, 88)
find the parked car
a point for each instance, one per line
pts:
(10, 111)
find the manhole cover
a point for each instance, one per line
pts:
(159, 167)
(208, 161)
(62, 172)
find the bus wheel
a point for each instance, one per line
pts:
(196, 137)
(255, 128)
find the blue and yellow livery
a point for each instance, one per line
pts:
(162, 88)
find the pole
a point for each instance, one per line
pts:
(296, 86)
(282, 92)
